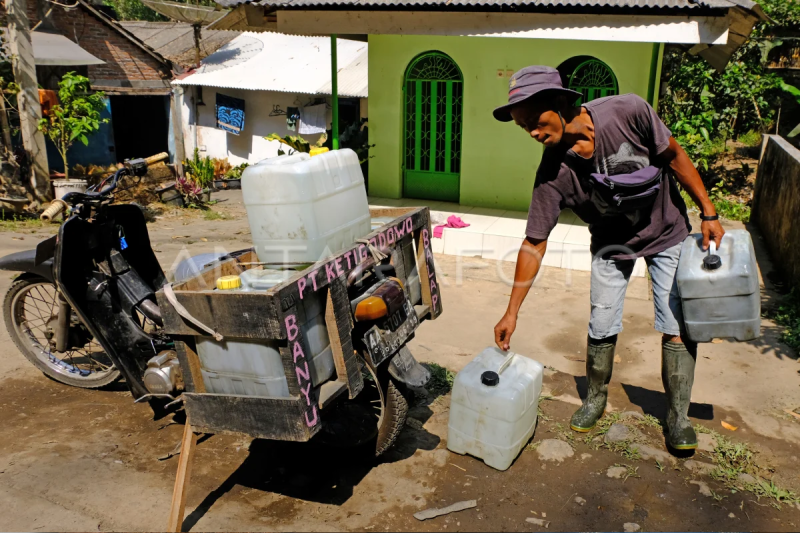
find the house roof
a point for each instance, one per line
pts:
(50, 48)
(122, 31)
(175, 40)
(480, 5)
(272, 61)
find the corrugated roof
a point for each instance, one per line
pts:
(477, 4)
(175, 40)
(288, 63)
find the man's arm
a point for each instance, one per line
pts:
(688, 177)
(529, 260)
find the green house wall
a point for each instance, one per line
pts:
(498, 162)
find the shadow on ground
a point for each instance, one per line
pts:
(312, 471)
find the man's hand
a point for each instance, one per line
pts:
(503, 331)
(711, 229)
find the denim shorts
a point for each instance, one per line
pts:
(610, 280)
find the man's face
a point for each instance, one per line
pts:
(539, 121)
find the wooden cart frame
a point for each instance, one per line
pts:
(277, 315)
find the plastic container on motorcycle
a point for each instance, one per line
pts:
(719, 288)
(493, 408)
(301, 209)
(254, 368)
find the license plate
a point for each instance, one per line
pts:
(381, 343)
(395, 320)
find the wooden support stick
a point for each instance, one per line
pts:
(182, 479)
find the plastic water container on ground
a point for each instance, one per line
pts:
(494, 406)
(302, 209)
(719, 288)
(62, 187)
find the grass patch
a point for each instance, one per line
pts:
(726, 208)
(565, 434)
(732, 209)
(650, 421)
(605, 423)
(441, 378)
(735, 458)
(630, 471)
(751, 138)
(541, 416)
(787, 314)
(628, 452)
(210, 214)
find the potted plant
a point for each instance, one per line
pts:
(221, 167)
(192, 194)
(75, 116)
(233, 178)
(200, 173)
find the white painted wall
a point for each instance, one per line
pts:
(250, 145)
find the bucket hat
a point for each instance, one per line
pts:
(529, 82)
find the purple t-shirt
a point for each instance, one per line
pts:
(628, 134)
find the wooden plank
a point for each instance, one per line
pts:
(231, 313)
(182, 478)
(426, 269)
(264, 418)
(329, 391)
(296, 355)
(190, 365)
(377, 212)
(340, 326)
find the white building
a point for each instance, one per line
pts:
(270, 72)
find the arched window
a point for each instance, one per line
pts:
(433, 91)
(589, 76)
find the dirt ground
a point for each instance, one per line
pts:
(78, 460)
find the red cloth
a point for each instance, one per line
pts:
(452, 222)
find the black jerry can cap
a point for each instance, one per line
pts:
(490, 378)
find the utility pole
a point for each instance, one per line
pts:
(30, 112)
(334, 94)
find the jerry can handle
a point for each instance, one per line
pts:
(712, 261)
(507, 362)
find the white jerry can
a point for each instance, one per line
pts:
(719, 288)
(494, 406)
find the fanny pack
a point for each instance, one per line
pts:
(623, 193)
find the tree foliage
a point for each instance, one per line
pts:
(76, 115)
(703, 107)
(136, 10)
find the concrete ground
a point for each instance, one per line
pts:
(72, 459)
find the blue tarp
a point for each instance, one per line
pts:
(230, 114)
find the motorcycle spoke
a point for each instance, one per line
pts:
(35, 310)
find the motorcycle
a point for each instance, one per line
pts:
(84, 312)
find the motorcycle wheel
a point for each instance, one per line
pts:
(372, 419)
(30, 310)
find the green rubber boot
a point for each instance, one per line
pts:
(677, 373)
(599, 363)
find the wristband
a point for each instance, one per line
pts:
(709, 218)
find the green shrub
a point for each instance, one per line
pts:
(787, 315)
(441, 378)
(751, 138)
(200, 170)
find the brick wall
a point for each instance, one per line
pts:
(124, 60)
